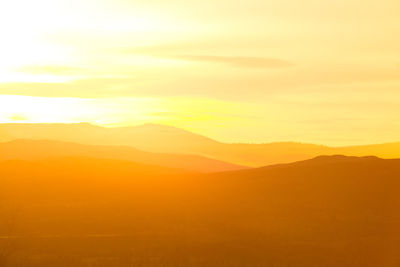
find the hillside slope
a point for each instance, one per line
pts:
(42, 149)
(328, 211)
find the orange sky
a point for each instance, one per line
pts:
(250, 71)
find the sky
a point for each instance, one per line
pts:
(325, 72)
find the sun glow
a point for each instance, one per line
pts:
(105, 112)
(182, 112)
(40, 109)
(286, 76)
(47, 33)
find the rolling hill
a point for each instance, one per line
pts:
(327, 211)
(166, 139)
(42, 149)
(150, 137)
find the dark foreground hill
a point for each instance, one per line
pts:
(328, 211)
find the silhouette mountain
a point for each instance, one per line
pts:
(325, 160)
(167, 139)
(42, 149)
(326, 211)
(149, 137)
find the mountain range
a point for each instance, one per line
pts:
(43, 149)
(153, 195)
(166, 139)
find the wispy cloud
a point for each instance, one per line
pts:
(237, 61)
(50, 69)
(224, 115)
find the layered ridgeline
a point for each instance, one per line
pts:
(166, 139)
(328, 211)
(43, 149)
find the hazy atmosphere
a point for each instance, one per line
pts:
(239, 71)
(214, 133)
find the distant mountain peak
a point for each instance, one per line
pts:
(156, 126)
(325, 159)
(153, 128)
(341, 158)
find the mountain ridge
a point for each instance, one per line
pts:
(26, 149)
(168, 139)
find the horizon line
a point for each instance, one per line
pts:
(194, 133)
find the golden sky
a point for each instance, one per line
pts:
(239, 71)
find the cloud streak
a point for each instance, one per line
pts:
(238, 61)
(51, 69)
